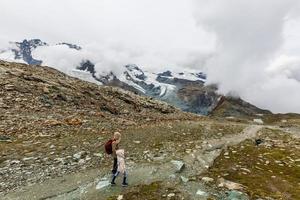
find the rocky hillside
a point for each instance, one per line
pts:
(42, 90)
(236, 107)
(46, 116)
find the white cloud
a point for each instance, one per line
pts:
(250, 38)
(249, 47)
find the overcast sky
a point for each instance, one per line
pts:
(249, 47)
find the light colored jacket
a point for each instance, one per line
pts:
(121, 160)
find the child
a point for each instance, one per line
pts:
(121, 168)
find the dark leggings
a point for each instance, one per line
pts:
(115, 166)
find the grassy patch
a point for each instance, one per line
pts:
(268, 170)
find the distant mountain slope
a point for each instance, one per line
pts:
(236, 107)
(185, 89)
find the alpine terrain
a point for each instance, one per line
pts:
(185, 89)
(53, 128)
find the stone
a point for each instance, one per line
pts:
(178, 165)
(5, 138)
(229, 184)
(236, 195)
(100, 155)
(102, 184)
(258, 121)
(46, 90)
(28, 158)
(184, 179)
(207, 179)
(79, 155)
(171, 195)
(120, 197)
(81, 161)
(74, 121)
(201, 193)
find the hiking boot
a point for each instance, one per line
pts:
(124, 184)
(112, 183)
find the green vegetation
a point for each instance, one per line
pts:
(269, 170)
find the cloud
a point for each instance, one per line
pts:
(250, 48)
(250, 37)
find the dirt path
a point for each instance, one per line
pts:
(83, 185)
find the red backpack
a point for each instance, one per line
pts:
(108, 146)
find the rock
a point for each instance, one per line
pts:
(15, 162)
(120, 197)
(9, 87)
(28, 158)
(171, 195)
(220, 134)
(102, 184)
(236, 195)
(229, 184)
(246, 170)
(5, 138)
(258, 121)
(201, 193)
(188, 151)
(100, 155)
(74, 121)
(184, 179)
(79, 155)
(178, 165)
(81, 161)
(207, 179)
(46, 90)
(172, 176)
(53, 122)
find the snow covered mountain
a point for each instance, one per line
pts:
(184, 89)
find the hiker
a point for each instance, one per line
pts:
(110, 147)
(121, 168)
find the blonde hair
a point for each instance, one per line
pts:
(117, 135)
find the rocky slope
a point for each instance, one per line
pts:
(53, 128)
(46, 118)
(184, 89)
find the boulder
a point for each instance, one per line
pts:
(178, 165)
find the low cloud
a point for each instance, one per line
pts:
(251, 48)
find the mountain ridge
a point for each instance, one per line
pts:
(185, 89)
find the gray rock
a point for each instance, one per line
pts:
(236, 195)
(178, 165)
(5, 138)
(184, 179)
(79, 155)
(201, 193)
